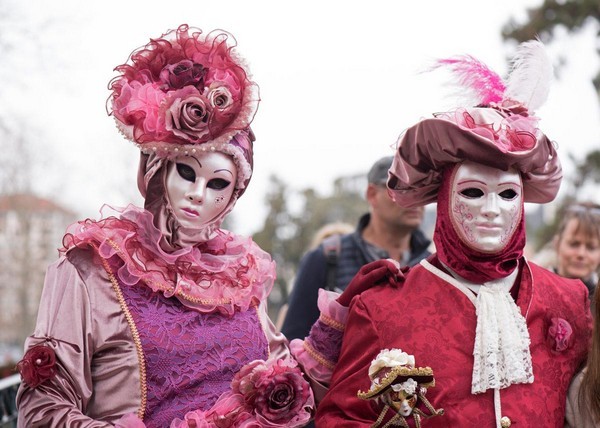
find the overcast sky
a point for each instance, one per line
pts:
(339, 81)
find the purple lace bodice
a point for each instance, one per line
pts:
(191, 357)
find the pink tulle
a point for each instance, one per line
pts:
(329, 307)
(224, 274)
(130, 420)
(513, 133)
(139, 103)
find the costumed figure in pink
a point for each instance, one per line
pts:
(503, 336)
(156, 316)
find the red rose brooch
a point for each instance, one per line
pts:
(38, 365)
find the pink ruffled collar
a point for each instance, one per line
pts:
(224, 274)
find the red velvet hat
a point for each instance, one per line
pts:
(501, 131)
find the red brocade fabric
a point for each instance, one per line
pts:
(434, 321)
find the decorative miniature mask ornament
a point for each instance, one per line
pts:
(401, 388)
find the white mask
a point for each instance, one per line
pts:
(486, 205)
(200, 187)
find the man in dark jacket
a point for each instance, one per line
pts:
(387, 231)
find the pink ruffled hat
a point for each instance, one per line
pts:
(185, 93)
(500, 132)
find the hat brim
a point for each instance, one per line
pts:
(422, 375)
(431, 145)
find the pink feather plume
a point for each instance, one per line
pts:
(484, 85)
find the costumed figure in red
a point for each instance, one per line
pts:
(503, 336)
(155, 316)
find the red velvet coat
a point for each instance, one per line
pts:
(433, 320)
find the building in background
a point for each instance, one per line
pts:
(31, 230)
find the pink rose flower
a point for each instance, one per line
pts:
(187, 114)
(183, 73)
(220, 97)
(278, 393)
(559, 334)
(38, 365)
(244, 381)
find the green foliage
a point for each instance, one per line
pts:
(295, 216)
(543, 20)
(588, 170)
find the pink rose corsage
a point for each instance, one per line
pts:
(269, 394)
(275, 393)
(38, 365)
(559, 334)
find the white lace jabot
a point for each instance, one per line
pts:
(501, 350)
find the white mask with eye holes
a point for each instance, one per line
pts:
(200, 187)
(486, 205)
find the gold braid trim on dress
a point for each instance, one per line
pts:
(136, 338)
(331, 322)
(317, 356)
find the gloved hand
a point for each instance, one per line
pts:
(379, 272)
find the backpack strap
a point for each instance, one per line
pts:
(332, 248)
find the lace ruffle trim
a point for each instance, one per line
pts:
(501, 352)
(225, 273)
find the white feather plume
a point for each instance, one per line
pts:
(530, 76)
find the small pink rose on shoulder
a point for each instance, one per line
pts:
(559, 334)
(38, 365)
